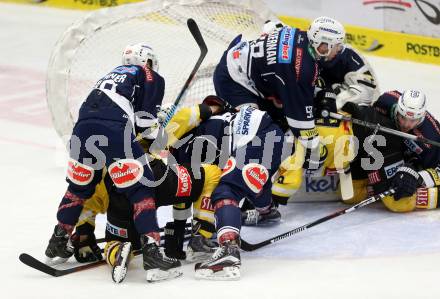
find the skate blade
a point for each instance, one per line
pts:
(193, 256)
(228, 273)
(155, 275)
(120, 271)
(55, 261)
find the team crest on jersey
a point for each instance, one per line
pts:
(184, 183)
(255, 176)
(230, 165)
(125, 69)
(79, 173)
(125, 172)
(286, 45)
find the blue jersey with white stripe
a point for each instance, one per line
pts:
(279, 68)
(139, 89)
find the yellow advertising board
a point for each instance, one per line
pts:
(75, 4)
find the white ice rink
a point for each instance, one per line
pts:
(371, 253)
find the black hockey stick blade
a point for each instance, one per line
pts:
(251, 247)
(197, 35)
(42, 267)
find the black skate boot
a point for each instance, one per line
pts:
(60, 246)
(200, 248)
(121, 260)
(224, 264)
(260, 218)
(157, 265)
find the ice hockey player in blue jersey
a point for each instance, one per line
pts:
(422, 171)
(122, 104)
(277, 73)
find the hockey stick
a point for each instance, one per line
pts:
(195, 31)
(383, 129)
(32, 262)
(251, 247)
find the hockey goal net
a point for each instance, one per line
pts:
(93, 46)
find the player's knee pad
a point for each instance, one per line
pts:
(110, 252)
(359, 191)
(427, 198)
(405, 204)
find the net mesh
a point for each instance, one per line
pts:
(163, 27)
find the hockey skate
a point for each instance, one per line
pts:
(156, 264)
(224, 264)
(253, 217)
(200, 248)
(122, 258)
(60, 247)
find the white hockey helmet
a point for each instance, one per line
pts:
(412, 105)
(140, 54)
(325, 30)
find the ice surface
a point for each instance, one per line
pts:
(370, 253)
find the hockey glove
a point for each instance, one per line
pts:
(325, 102)
(85, 247)
(405, 182)
(59, 244)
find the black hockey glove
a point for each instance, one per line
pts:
(84, 243)
(405, 182)
(59, 244)
(174, 238)
(325, 101)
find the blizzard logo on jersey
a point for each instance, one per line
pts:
(79, 173)
(206, 204)
(286, 45)
(125, 172)
(391, 170)
(117, 231)
(125, 69)
(184, 183)
(413, 146)
(271, 47)
(255, 176)
(325, 184)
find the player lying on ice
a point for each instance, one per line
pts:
(408, 166)
(104, 137)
